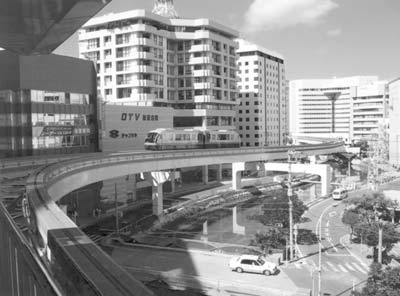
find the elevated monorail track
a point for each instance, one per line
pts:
(67, 250)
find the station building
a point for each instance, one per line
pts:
(159, 60)
(262, 118)
(48, 105)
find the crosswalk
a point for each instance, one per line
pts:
(328, 266)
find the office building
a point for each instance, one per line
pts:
(369, 110)
(322, 107)
(48, 105)
(151, 60)
(262, 116)
(394, 122)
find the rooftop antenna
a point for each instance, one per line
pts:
(165, 8)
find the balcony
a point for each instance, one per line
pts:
(204, 99)
(200, 48)
(136, 83)
(201, 73)
(135, 55)
(200, 60)
(202, 85)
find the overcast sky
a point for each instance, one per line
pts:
(318, 38)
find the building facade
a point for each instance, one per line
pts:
(145, 59)
(48, 105)
(394, 122)
(322, 107)
(262, 116)
(369, 110)
(125, 128)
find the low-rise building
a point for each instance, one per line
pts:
(48, 105)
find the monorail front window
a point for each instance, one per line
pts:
(151, 138)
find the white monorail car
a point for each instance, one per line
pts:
(170, 139)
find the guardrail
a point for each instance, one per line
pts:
(114, 158)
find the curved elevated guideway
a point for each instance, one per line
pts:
(65, 246)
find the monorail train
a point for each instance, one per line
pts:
(169, 139)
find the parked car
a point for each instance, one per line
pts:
(339, 194)
(252, 263)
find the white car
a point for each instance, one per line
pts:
(339, 194)
(252, 263)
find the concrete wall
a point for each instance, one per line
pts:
(20, 272)
(47, 72)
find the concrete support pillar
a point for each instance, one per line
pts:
(173, 181)
(326, 176)
(157, 179)
(205, 174)
(133, 187)
(157, 198)
(237, 169)
(219, 172)
(313, 191)
(261, 169)
(313, 159)
(236, 228)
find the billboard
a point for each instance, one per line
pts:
(125, 128)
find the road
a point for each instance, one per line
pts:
(340, 268)
(199, 270)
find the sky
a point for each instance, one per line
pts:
(318, 38)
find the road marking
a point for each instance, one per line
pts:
(332, 214)
(332, 266)
(342, 268)
(349, 266)
(359, 268)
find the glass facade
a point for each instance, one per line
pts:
(34, 122)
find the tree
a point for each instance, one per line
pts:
(381, 282)
(374, 212)
(351, 218)
(276, 211)
(272, 238)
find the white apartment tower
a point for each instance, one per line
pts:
(369, 110)
(146, 59)
(262, 118)
(323, 107)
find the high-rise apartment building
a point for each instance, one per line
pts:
(323, 107)
(394, 122)
(145, 59)
(262, 118)
(369, 110)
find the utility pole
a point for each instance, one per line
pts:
(319, 256)
(116, 210)
(380, 233)
(290, 194)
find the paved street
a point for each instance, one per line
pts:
(340, 269)
(199, 270)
